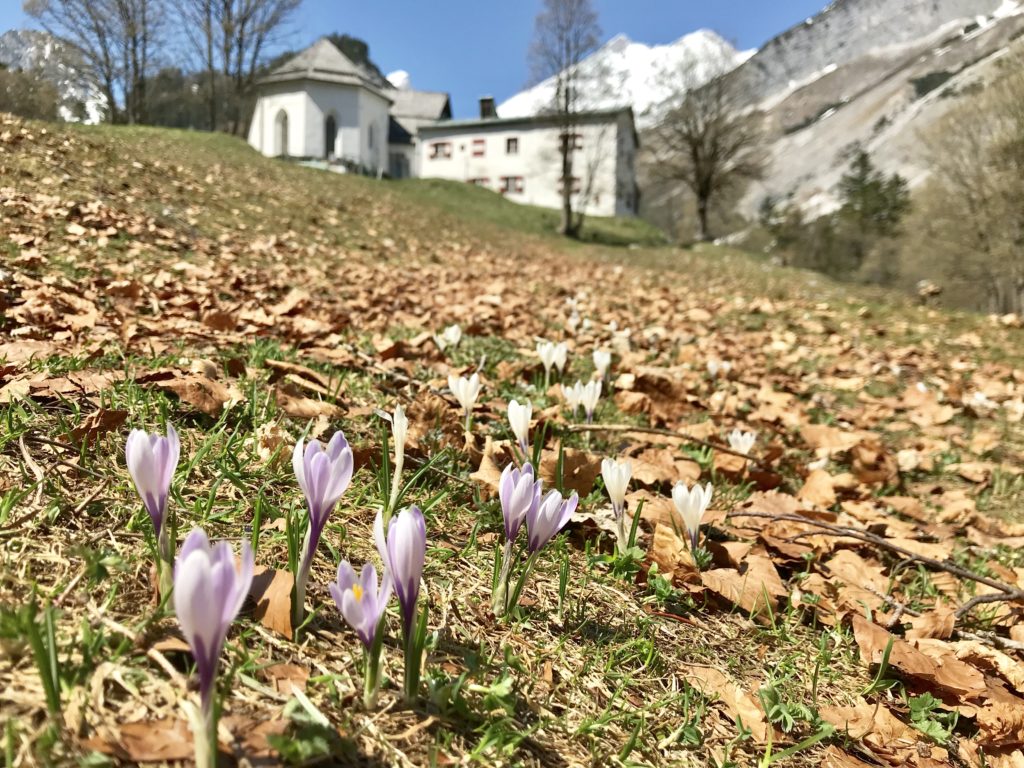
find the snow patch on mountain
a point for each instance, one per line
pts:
(626, 73)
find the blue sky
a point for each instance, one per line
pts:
(476, 47)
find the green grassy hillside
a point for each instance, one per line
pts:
(828, 615)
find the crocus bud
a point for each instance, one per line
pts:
(449, 337)
(561, 356)
(572, 396)
(151, 461)
(691, 503)
(208, 594)
(399, 432)
(616, 480)
(358, 599)
(466, 391)
(546, 351)
(324, 474)
(741, 442)
(590, 395)
(403, 549)
(602, 361)
(548, 518)
(520, 494)
(519, 419)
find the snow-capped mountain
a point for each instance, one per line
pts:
(29, 49)
(626, 73)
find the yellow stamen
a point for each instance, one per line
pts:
(357, 590)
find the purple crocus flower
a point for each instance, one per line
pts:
(519, 494)
(208, 594)
(359, 601)
(548, 518)
(151, 461)
(404, 551)
(324, 473)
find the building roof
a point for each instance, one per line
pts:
(472, 124)
(427, 105)
(324, 62)
(412, 109)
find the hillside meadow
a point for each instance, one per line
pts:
(854, 597)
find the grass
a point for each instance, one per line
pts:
(602, 674)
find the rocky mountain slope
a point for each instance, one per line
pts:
(851, 77)
(30, 49)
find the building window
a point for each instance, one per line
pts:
(370, 135)
(482, 181)
(512, 146)
(575, 140)
(478, 147)
(440, 150)
(512, 185)
(576, 185)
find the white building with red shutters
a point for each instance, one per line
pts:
(520, 157)
(322, 108)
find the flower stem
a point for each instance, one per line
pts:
(371, 675)
(620, 531)
(415, 637)
(165, 561)
(513, 599)
(498, 599)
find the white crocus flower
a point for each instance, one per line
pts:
(561, 356)
(616, 480)
(591, 394)
(399, 432)
(742, 442)
(466, 391)
(519, 419)
(546, 353)
(602, 361)
(572, 396)
(449, 337)
(691, 503)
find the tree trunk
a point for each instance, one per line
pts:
(703, 232)
(568, 225)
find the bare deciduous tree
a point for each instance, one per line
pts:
(565, 31)
(705, 140)
(139, 24)
(230, 38)
(971, 225)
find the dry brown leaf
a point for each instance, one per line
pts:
(294, 402)
(756, 589)
(936, 623)
(97, 423)
(818, 489)
(739, 704)
(271, 591)
(579, 470)
(935, 670)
